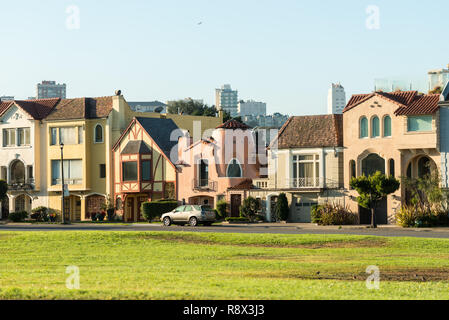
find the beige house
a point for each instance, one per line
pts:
(396, 133)
(305, 161)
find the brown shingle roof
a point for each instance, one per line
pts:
(82, 108)
(311, 132)
(409, 102)
(233, 124)
(37, 109)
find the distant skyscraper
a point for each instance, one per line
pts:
(49, 89)
(336, 99)
(227, 100)
(438, 78)
(251, 107)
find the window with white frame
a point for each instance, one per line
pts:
(9, 137)
(73, 172)
(306, 171)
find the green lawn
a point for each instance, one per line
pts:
(168, 265)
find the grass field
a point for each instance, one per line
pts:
(168, 265)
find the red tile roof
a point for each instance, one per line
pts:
(82, 108)
(311, 132)
(233, 124)
(37, 109)
(409, 102)
(244, 185)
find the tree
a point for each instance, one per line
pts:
(372, 190)
(249, 208)
(191, 107)
(281, 209)
(3, 189)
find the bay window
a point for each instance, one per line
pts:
(129, 170)
(306, 171)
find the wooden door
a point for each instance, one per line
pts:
(236, 202)
(130, 209)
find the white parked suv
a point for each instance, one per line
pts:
(191, 214)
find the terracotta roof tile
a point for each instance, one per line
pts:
(37, 109)
(244, 185)
(233, 124)
(409, 102)
(82, 108)
(311, 132)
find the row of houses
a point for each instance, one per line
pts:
(112, 154)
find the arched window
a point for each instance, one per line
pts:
(391, 167)
(375, 124)
(98, 133)
(364, 127)
(387, 126)
(234, 169)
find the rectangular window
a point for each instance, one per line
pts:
(23, 136)
(30, 172)
(80, 135)
(9, 137)
(73, 172)
(419, 123)
(68, 135)
(129, 171)
(102, 171)
(306, 171)
(53, 139)
(4, 174)
(146, 170)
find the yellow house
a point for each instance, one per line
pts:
(88, 129)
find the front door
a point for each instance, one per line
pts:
(130, 209)
(380, 212)
(236, 201)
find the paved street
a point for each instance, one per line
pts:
(388, 231)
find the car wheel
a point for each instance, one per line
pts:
(167, 221)
(193, 222)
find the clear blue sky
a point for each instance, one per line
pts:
(283, 52)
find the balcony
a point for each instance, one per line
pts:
(312, 183)
(205, 185)
(67, 181)
(19, 185)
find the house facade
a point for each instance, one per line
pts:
(144, 168)
(396, 133)
(218, 167)
(305, 161)
(22, 165)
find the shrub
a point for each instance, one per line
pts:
(419, 217)
(151, 210)
(282, 210)
(40, 214)
(335, 215)
(316, 213)
(249, 208)
(222, 208)
(18, 216)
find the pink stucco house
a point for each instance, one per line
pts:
(219, 167)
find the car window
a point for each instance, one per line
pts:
(206, 208)
(180, 209)
(197, 208)
(188, 208)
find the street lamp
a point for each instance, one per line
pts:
(62, 182)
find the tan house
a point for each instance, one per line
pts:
(395, 133)
(305, 162)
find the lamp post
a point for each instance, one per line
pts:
(62, 182)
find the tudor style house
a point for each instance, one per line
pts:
(144, 168)
(22, 162)
(305, 161)
(219, 167)
(398, 134)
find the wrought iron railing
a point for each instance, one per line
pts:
(204, 184)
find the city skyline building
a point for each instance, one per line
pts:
(51, 89)
(336, 99)
(226, 99)
(251, 107)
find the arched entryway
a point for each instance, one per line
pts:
(17, 172)
(370, 165)
(22, 203)
(271, 204)
(421, 167)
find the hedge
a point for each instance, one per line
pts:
(151, 210)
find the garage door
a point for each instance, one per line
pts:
(303, 210)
